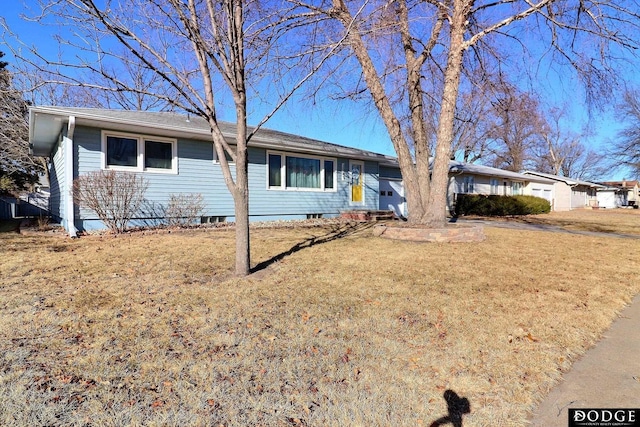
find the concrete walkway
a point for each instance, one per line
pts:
(607, 375)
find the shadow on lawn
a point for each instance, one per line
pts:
(10, 226)
(338, 231)
(457, 407)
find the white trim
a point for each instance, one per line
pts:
(140, 140)
(216, 160)
(494, 184)
(67, 191)
(515, 191)
(283, 172)
(467, 183)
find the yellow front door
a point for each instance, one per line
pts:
(357, 180)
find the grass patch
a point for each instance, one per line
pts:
(349, 331)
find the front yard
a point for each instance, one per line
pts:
(340, 328)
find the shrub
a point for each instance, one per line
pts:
(535, 205)
(115, 197)
(184, 209)
(482, 205)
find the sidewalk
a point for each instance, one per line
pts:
(607, 375)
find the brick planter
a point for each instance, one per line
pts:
(451, 233)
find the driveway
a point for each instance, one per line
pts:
(517, 225)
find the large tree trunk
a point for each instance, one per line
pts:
(436, 209)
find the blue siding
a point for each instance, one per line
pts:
(390, 172)
(86, 146)
(372, 185)
(198, 173)
(273, 203)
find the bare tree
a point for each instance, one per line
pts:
(516, 131)
(564, 153)
(201, 56)
(625, 150)
(472, 125)
(423, 41)
(42, 87)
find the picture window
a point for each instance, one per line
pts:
(289, 172)
(138, 153)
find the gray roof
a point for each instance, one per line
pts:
(474, 169)
(45, 124)
(566, 180)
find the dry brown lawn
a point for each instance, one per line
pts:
(344, 329)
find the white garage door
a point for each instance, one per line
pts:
(542, 192)
(392, 197)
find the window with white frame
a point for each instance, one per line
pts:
(226, 155)
(297, 172)
(139, 153)
(467, 184)
(516, 188)
(495, 186)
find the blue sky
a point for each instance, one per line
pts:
(333, 122)
(340, 123)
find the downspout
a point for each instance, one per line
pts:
(67, 191)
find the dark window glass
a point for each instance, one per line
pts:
(226, 156)
(328, 174)
(122, 151)
(157, 155)
(275, 168)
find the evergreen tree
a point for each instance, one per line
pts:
(18, 169)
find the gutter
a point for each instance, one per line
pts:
(32, 126)
(269, 142)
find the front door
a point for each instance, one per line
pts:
(357, 182)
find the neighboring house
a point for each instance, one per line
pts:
(468, 178)
(31, 205)
(571, 193)
(290, 177)
(610, 197)
(628, 192)
(465, 178)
